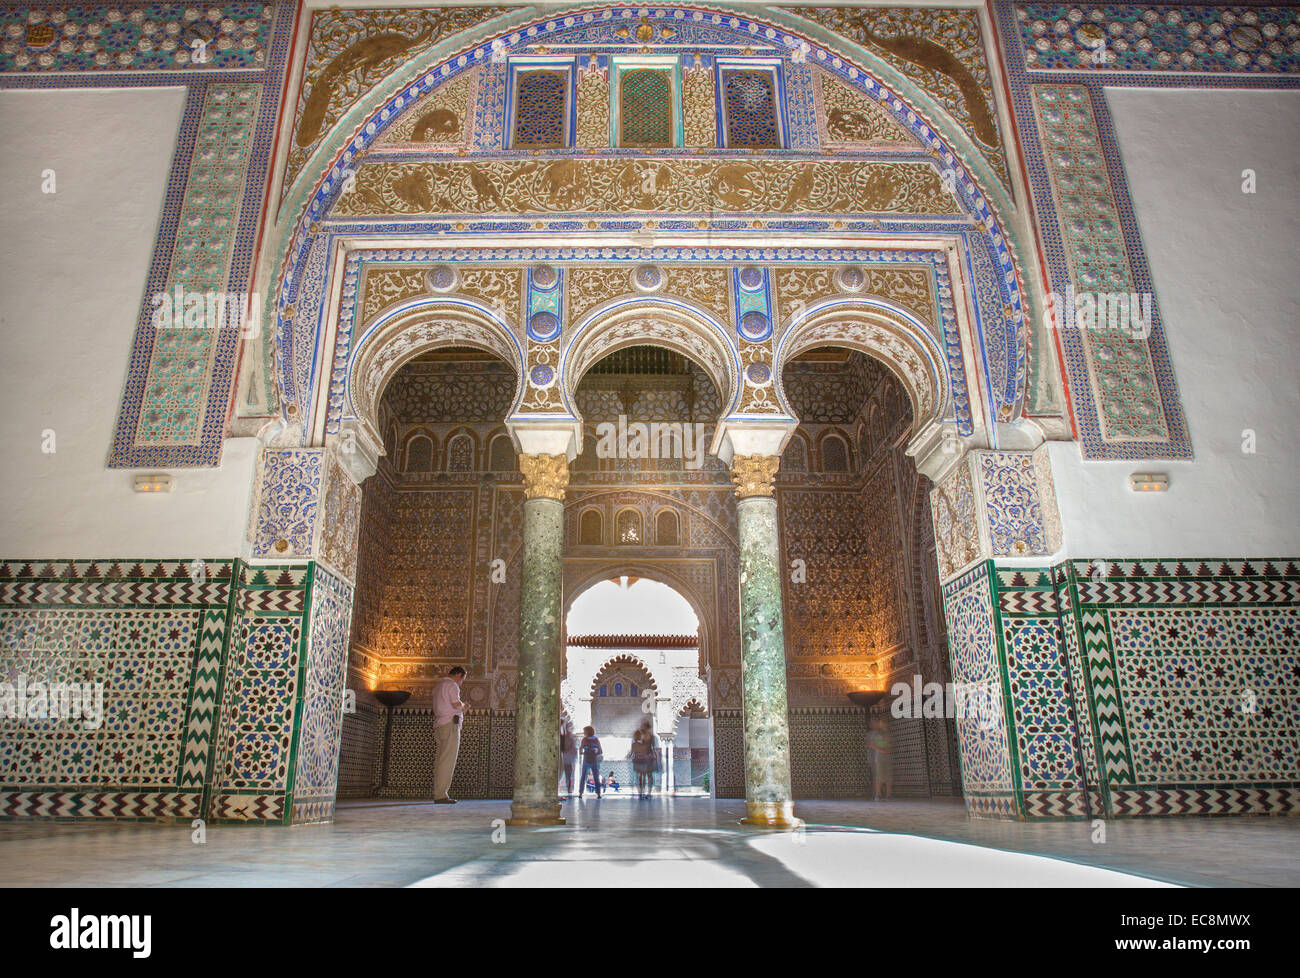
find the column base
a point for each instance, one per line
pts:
(771, 815)
(530, 814)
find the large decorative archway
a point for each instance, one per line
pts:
(342, 135)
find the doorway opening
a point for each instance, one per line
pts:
(632, 663)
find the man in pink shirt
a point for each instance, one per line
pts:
(447, 713)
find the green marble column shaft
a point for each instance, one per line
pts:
(537, 700)
(762, 645)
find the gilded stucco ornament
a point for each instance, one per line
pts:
(545, 476)
(754, 475)
(547, 186)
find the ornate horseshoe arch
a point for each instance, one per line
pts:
(396, 338)
(667, 322)
(887, 333)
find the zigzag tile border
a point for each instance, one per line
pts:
(1054, 804)
(124, 805)
(263, 809)
(1277, 800)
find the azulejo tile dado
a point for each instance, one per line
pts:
(200, 695)
(103, 623)
(1176, 689)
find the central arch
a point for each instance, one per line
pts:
(579, 576)
(668, 322)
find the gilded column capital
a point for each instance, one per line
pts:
(545, 476)
(754, 474)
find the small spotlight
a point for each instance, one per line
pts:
(1148, 482)
(154, 482)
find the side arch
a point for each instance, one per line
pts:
(884, 332)
(392, 341)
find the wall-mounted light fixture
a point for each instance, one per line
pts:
(1148, 482)
(154, 482)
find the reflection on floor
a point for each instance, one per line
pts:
(622, 841)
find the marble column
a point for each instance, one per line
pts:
(537, 700)
(762, 646)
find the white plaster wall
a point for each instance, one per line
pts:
(1228, 285)
(72, 272)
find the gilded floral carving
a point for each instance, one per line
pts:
(754, 475)
(497, 288)
(542, 186)
(545, 476)
(593, 106)
(798, 287)
(699, 121)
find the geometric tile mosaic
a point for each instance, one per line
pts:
(211, 691)
(134, 37)
(1138, 687)
(1120, 374)
(976, 657)
(1194, 672)
(152, 640)
(1145, 687)
(1149, 38)
(320, 721)
(281, 705)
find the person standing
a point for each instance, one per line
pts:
(447, 713)
(654, 762)
(592, 755)
(568, 756)
(641, 763)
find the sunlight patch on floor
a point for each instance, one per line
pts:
(883, 859)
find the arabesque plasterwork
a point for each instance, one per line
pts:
(350, 50)
(577, 186)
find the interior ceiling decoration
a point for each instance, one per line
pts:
(429, 155)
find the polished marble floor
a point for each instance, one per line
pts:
(621, 841)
